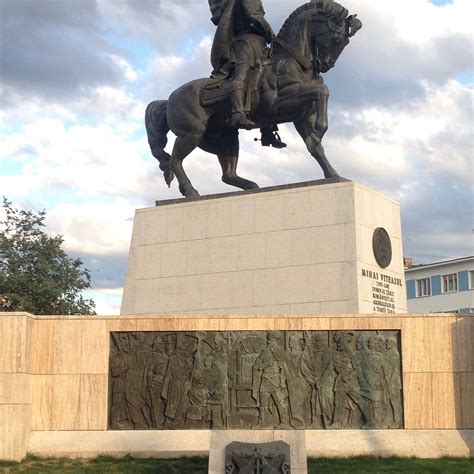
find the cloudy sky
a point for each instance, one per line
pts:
(76, 76)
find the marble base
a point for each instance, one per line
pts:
(305, 249)
(54, 384)
(171, 444)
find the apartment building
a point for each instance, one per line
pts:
(441, 286)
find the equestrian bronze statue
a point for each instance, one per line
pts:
(258, 81)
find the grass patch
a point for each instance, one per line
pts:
(127, 464)
(368, 464)
(198, 465)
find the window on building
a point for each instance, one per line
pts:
(450, 282)
(423, 287)
(471, 279)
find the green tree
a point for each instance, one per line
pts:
(36, 275)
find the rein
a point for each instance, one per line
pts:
(307, 64)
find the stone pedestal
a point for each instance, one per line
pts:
(300, 249)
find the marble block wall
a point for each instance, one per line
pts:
(54, 384)
(289, 250)
(16, 336)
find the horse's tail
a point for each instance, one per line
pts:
(157, 128)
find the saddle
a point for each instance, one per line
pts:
(219, 87)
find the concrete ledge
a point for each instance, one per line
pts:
(417, 443)
(167, 444)
(149, 444)
(280, 187)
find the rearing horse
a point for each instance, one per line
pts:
(291, 89)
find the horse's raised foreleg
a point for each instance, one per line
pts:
(229, 172)
(183, 146)
(306, 127)
(226, 147)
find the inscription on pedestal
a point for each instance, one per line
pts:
(255, 380)
(383, 292)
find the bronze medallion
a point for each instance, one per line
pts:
(382, 247)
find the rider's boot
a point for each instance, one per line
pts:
(270, 137)
(239, 117)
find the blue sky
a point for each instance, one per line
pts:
(76, 78)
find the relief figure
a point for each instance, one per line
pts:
(119, 414)
(317, 368)
(177, 382)
(155, 371)
(370, 376)
(391, 366)
(128, 369)
(347, 391)
(273, 386)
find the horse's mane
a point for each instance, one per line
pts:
(324, 7)
(289, 21)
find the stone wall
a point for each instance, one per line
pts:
(54, 380)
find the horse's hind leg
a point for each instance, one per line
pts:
(228, 158)
(183, 146)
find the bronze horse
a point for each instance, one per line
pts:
(290, 89)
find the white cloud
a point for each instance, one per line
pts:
(168, 72)
(107, 301)
(419, 21)
(128, 71)
(400, 122)
(94, 228)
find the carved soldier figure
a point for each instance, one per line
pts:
(361, 362)
(198, 395)
(238, 47)
(375, 376)
(273, 382)
(346, 387)
(154, 376)
(391, 366)
(129, 367)
(177, 382)
(317, 368)
(119, 413)
(368, 363)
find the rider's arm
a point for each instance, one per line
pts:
(256, 15)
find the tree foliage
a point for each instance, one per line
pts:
(36, 275)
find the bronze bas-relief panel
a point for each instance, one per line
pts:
(255, 380)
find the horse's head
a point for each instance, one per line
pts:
(333, 30)
(318, 31)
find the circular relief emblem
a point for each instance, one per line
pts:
(382, 247)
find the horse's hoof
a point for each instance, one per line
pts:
(191, 194)
(332, 176)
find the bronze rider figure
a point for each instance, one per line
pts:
(239, 45)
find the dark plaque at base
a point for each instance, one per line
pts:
(261, 458)
(255, 380)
